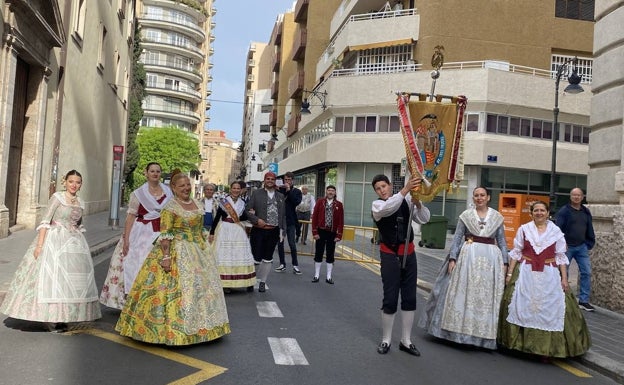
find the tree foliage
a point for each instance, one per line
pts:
(135, 113)
(170, 146)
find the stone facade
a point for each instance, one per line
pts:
(606, 155)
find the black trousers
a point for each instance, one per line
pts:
(326, 244)
(263, 242)
(397, 280)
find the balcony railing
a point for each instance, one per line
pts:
(167, 86)
(296, 84)
(300, 44)
(174, 20)
(385, 68)
(173, 42)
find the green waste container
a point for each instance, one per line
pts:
(433, 233)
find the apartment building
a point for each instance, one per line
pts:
(257, 109)
(221, 159)
(176, 38)
(501, 56)
(64, 75)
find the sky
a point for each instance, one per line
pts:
(238, 23)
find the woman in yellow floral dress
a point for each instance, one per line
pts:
(177, 298)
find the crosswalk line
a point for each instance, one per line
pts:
(268, 309)
(286, 351)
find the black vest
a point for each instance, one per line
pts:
(393, 228)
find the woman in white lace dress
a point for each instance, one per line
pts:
(55, 282)
(141, 230)
(465, 300)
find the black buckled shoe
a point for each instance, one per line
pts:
(330, 281)
(315, 279)
(383, 348)
(411, 349)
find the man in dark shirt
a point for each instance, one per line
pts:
(575, 221)
(292, 199)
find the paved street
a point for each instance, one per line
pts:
(296, 332)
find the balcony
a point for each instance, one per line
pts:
(299, 46)
(171, 112)
(276, 34)
(172, 90)
(168, 44)
(277, 61)
(296, 84)
(301, 11)
(176, 24)
(371, 30)
(174, 68)
(293, 124)
(198, 11)
(275, 90)
(273, 117)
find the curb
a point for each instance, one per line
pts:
(603, 365)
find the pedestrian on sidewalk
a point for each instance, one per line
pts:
(292, 199)
(575, 221)
(327, 227)
(231, 243)
(55, 282)
(141, 229)
(265, 210)
(177, 298)
(464, 304)
(304, 213)
(539, 314)
(391, 214)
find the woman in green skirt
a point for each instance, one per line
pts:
(539, 313)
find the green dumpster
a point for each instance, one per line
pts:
(433, 233)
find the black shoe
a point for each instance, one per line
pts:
(261, 287)
(411, 349)
(330, 281)
(383, 348)
(586, 306)
(315, 279)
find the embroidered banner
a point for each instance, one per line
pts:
(432, 136)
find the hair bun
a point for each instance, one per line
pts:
(175, 172)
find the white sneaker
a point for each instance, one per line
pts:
(280, 268)
(296, 270)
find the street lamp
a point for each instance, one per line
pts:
(573, 88)
(305, 105)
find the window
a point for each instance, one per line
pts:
(525, 127)
(503, 125)
(365, 123)
(389, 124)
(575, 9)
(514, 126)
(265, 128)
(266, 108)
(472, 122)
(537, 129)
(344, 124)
(80, 11)
(102, 55)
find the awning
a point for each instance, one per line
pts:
(381, 44)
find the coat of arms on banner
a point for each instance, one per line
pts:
(432, 136)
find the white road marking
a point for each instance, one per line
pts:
(286, 351)
(269, 309)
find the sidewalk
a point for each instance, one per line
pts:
(607, 328)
